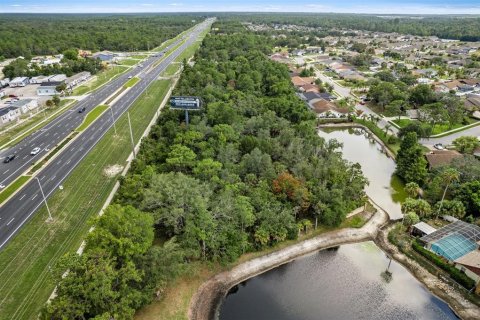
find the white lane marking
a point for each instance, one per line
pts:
(53, 178)
(6, 171)
(42, 178)
(25, 157)
(59, 161)
(36, 194)
(22, 197)
(10, 221)
(68, 162)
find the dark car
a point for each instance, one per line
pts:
(9, 158)
(81, 110)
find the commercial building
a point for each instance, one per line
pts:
(48, 89)
(77, 79)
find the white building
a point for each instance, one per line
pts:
(19, 82)
(77, 79)
(25, 105)
(57, 78)
(4, 82)
(9, 114)
(39, 79)
(48, 89)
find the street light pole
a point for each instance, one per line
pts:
(131, 134)
(113, 120)
(45, 200)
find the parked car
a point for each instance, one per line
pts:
(81, 110)
(35, 151)
(9, 158)
(438, 146)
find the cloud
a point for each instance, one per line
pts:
(175, 4)
(16, 5)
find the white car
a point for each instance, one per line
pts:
(439, 146)
(35, 151)
(2, 186)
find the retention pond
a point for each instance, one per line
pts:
(347, 283)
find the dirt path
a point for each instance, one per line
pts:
(207, 298)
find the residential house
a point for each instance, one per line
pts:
(438, 158)
(18, 82)
(327, 109)
(470, 264)
(9, 114)
(300, 81)
(48, 89)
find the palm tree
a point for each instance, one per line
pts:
(411, 189)
(449, 175)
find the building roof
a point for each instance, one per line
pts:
(19, 79)
(471, 259)
(50, 84)
(323, 105)
(312, 95)
(4, 111)
(78, 76)
(300, 81)
(20, 103)
(424, 228)
(437, 158)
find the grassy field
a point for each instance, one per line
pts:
(14, 135)
(25, 279)
(101, 78)
(92, 116)
(128, 62)
(14, 186)
(131, 82)
(171, 69)
(139, 56)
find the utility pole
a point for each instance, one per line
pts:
(113, 120)
(186, 117)
(45, 200)
(131, 134)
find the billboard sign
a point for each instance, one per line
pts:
(185, 103)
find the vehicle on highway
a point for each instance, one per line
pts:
(35, 151)
(129, 77)
(9, 158)
(438, 146)
(81, 110)
(2, 186)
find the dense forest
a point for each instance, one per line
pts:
(248, 172)
(28, 35)
(465, 28)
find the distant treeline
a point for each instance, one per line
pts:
(465, 28)
(30, 34)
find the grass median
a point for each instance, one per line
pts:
(12, 188)
(131, 82)
(25, 276)
(92, 116)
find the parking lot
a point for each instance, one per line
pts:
(27, 92)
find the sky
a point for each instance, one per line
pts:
(349, 6)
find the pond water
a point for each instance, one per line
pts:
(385, 188)
(348, 283)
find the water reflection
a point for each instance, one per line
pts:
(385, 188)
(335, 284)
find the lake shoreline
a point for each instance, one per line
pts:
(206, 301)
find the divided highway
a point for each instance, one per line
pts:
(15, 212)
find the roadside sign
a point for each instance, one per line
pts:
(185, 103)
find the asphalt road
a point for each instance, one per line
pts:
(15, 212)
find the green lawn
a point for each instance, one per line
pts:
(437, 129)
(92, 116)
(171, 69)
(131, 82)
(14, 186)
(128, 62)
(139, 56)
(12, 136)
(25, 278)
(101, 78)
